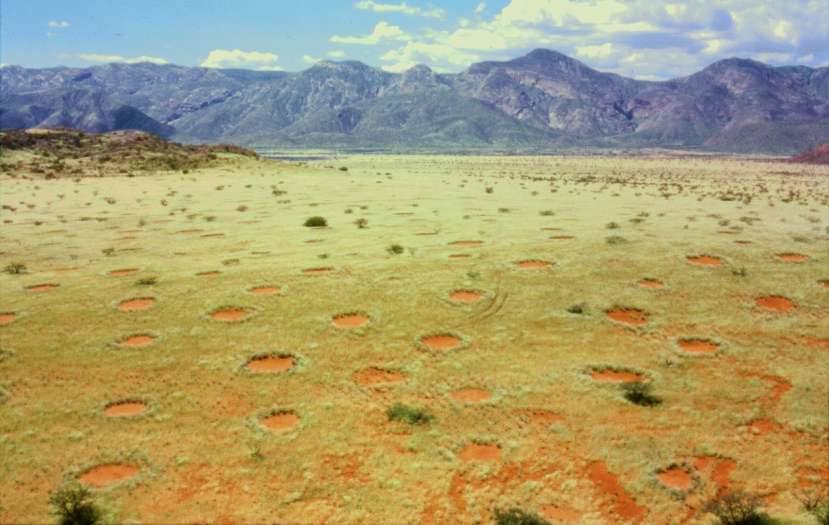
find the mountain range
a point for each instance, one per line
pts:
(541, 101)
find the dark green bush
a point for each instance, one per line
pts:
(518, 517)
(73, 505)
(316, 222)
(407, 414)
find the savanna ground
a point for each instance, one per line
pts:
(528, 290)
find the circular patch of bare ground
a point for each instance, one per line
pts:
(627, 316)
(466, 243)
(44, 287)
(350, 320)
(775, 303)
(698, 346)
(121, 272)
(136, 304)
(471, 395)
(480, 452)
(265, 289)
(377, 376)
(125, 408)
(560, 514)
(675, 478)
(463, 296)
(7, 318)
(137, 341)
(534, 264)
(271, 364)
(209, 273)
(281, 421)
(651, 284)
(615, 375)
(824, 283)
(318, 271)
(791, 257)
(761, 427)
(231, 314)
(108, 474)
(704, 260)
(441, 341)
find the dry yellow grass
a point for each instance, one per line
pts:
(549, 438)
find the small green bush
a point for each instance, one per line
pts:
(615, 239)
(361, 223)
(146, 281)
(518, 517)
(640, 394)
(612, 225)
(316, 222)
(407, 414)
(73, 505)
(737, 508)
(15, 268)
(395, 249)
(577, 309)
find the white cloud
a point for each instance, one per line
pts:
(336, 53)
(402, 8)
(236, 58)
(480, 8)
(382, 31)
(308, 59)
(97, 57)
(58, 24)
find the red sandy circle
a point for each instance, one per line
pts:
(704, 260)
(471, 395)
(480, 452)
(318, 271)
(534, 264)
(675, 478)
(696, 346)
(628, 316)
(230, 314)
(7, 318)
(122, 272)
(265, 289)
(137, 341)
(465, 296)
(45, 287)
(792, 257)
(108, 474)
(763, 426)
(137, 304)
(560, 514)
(271, 364)
(350, 320)
(608, 375)
(775, 303)
(377, 376)
(651, 284)
(441, 341)
(125, 409)
(280, 421)
(209, 273)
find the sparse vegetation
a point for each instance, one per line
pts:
(408, 414)
(395, 249)
(73, 505)
(616, 239)
(146, 281)
(15, 268)
(737, 508)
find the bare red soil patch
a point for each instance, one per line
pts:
(675, 478)
(350, 320)
(271, 364)
(45, 287)
(318, 271)
(608, 484)
(480, 452)
(534, 264)
(377, 376)
(763, 426)
(704, 260)
(210, 273)
(137, 304)
(231, 314)
(792, 257)
(812, 342)
(651, 284)
(544, 416)
(7, 318)
(824, 283)
(560, 514)
(441, 341)
(125, 408)
(471, 395)
(609, 375)
(696, 346)
(280, 421)
(265, 290)
(109, 474)
(466, 243)
(775, 303)
(628, 316)
(465, 296)
(122, 272)
(137, 341)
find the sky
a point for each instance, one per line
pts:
(645, 39)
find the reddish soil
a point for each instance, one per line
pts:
(544, 416)
(480, 452)
(721, 475)
(775, 303)
(45, 287)
(628, 316)
(811, 342)
(137, 304)
(264, 290)
(675, 478)
(230, 314)
(350, 320)
(651, 284)
(609, 375)
(125, 409)
(763, 426)
(704, 260)
(465, 296)
(7, 318)
(123, 271)
(534, 264)
(792, 257)
(824, 283)
(271, 364)
(211, 273)
(698, 346)
(466, 243)
(137, 341)
(281, 421)
(441, 342)
(816, 155)
(377, 376)
(318, 271)
(471, 395)
(109, 474)
(608, 484)
(560, 514)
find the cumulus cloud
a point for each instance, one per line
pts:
(336, 53)
(382, 31)
(236, 58)
(106, 59)
(58, 24)
(402, 8)
(308, 59)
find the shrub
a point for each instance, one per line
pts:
(343, 168)
(361, 223)
(816, 504)
(109, 252)
(15, 268)
(316, 222)
(395, 249)
(490, 189)
(407, 414)
(577, 309)
(518, 517)
(146, 281)
(547, 213)
(612, 225)
(73, 505)
(737, 508)
(640, 394)
(615, 239)
(739, 272)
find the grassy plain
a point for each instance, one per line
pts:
(528, 289)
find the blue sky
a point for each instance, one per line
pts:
(639, 38)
